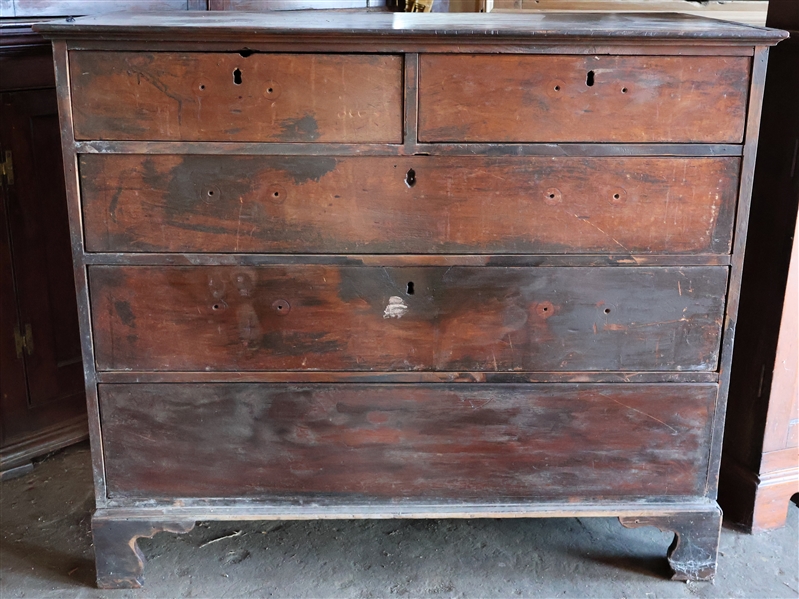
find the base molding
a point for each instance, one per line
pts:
(120, 563)
(17, 455)
(756, 502)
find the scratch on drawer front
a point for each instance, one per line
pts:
(396, 308)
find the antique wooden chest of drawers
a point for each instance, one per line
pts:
(379, 266)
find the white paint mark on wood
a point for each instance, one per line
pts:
(396, 308)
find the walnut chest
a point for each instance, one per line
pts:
(411, 266)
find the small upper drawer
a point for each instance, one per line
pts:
(166, 96)
(624, 99)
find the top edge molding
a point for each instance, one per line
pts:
(389, 28)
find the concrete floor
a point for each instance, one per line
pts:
(46, 552)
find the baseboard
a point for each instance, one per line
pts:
(20, 453)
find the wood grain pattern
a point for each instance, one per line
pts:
(326, 204)
(171, 96)
(423, 441)
(366, 318)
(483, 98)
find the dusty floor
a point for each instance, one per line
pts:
(46, 552)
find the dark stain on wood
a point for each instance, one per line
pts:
(332, 204)
(362, 318)
(485, 98)
(423, 441)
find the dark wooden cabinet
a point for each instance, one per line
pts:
(43, 405)
(430, 266)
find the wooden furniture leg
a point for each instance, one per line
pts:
(694, 550)
(120, 562)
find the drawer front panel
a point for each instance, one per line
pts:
(633, 99)
(324, 204)
(426, 441)
(224, 97)
(310, 317)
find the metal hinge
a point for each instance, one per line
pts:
(7, 168)
(23, 341)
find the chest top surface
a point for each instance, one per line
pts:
(389, 27)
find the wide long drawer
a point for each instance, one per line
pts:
(326, 204)
(193, 96)
(310, 317)
(395, 441)
(632, 99)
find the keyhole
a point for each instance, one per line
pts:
(410, 178)
(410, 288)
(589, 80)
(237, 77)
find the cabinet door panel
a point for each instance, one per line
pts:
(40, 248)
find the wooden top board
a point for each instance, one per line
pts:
(395, 26)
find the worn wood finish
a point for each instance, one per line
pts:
(367, 204)
(61, 66)
(757, 480)
(365, 318)
(233, 259)
(694, 550)
(327, 376)
(120, 562)
(760, 61)
(663, 327)
(408, 148)
(230, 97)
(582, 99)
(434, 32)
(428, 441)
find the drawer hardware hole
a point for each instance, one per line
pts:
(589, 80)
(282, 307)
(410, 288)
(616, 196)
(552, 196)
(202, 86)
(624, 90)
(237, 76)
(246, 53)
(557, 88)
(607, 310)
(410, 178)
